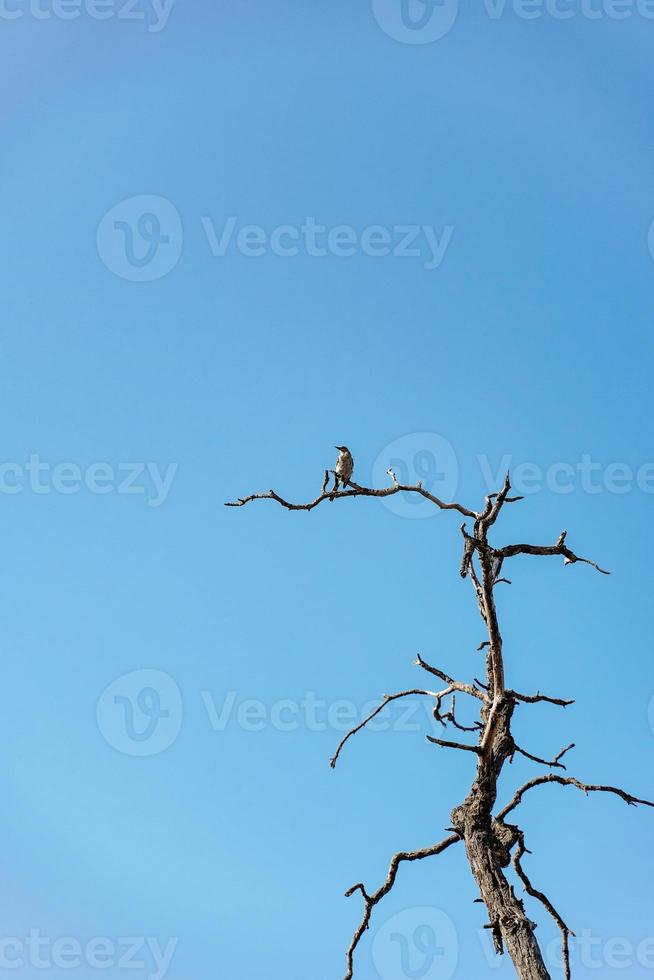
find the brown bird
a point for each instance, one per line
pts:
(343, 469)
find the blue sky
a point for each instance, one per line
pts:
(139, 395)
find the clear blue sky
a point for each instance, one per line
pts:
(531, 140)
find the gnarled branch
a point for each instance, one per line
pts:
(536, 698)
(355, 491)
(374, 899)
(560, 548)
(569, 781)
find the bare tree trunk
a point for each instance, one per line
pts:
(488, 844)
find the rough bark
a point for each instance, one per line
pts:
(488, 846)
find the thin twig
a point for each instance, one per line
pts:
(387, 700)
(554, 764)
(453, 745)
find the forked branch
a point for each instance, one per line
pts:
(555, 762)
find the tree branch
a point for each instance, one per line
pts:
(372, 900)
(566, 932)
(454, 745)
(355, 491)
(494, 504)
(557, 549)
(536, 698)
(569, 781)
(387, 700)
(554, 764)
(457, 685)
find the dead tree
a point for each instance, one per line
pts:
(491, 841)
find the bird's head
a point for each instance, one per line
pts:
(342, 449)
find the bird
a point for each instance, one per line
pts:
(343, 469)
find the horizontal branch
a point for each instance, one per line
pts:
(355, 491)
(376, 897)
(554, 764)
(569, 781)
(560, 548)
(437, 695)
(457, 685)
(454, 745)
(536, 698)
